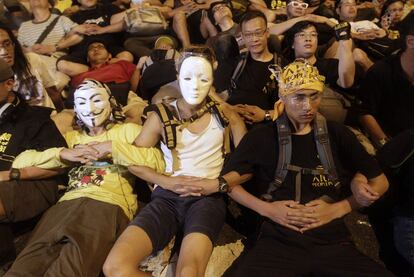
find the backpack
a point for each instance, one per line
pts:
(170, 124)
(323, 146)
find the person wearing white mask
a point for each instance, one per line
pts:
(76, 234)
(187, 197)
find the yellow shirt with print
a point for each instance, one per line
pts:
(104, 181)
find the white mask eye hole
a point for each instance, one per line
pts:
(187, 78)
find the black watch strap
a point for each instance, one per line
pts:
(14, 174)
(223, 186)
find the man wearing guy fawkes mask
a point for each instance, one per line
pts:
(26, 192)
(99, 201)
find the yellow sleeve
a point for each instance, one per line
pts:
(47, 159)
(126, 154)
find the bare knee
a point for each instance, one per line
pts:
(187, 271)
(126, 56)
(113, 267)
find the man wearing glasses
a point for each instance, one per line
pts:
(254, 91)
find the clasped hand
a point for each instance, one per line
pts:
(87, 153)
(299, 217)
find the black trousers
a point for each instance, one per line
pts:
(299, 255)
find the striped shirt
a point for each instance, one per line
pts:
(29, 31)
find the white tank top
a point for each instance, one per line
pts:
(199, 155)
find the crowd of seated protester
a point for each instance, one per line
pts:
(140, 55)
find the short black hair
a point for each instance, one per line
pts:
(252, 15)
(210, 12)
(388, 3)
(290, 37)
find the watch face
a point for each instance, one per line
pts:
(224, 187)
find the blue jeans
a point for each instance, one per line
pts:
(404, 237)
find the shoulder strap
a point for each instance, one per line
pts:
(324, 148)
(46, 31)
(214, 106)
(238, 71)
(285, 153)
(168, 121)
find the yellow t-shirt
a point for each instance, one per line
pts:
(107, 181)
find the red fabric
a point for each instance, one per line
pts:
(119, 72)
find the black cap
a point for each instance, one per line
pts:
(6, 72)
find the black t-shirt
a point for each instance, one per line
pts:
(255, 86)
(27, 128)
(387, 95)
(257, 153)
(329, 69)
(101, 15)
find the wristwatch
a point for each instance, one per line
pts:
(14, 174)
(223, 186)
(268, 117)
(382, 142)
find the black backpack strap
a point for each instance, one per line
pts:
(324, 148)
(46, 31)
(238, 71)
(285, 154)
(168, 121)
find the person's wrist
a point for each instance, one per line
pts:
(341, 208)
(263, 209)
(5, 176)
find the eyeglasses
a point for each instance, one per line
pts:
(297, 4)
(251, 35)
(303, 36)
(6, 44)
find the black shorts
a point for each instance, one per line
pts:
(168, 212)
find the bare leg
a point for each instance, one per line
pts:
(180, 27)
(195, 252)
(124, 56)
(129, 250)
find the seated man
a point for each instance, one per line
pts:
(301, 179)
(27, 192)
(180, 202)
(113, 74)
(387, 91)
(76, 234)
(253, 84)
